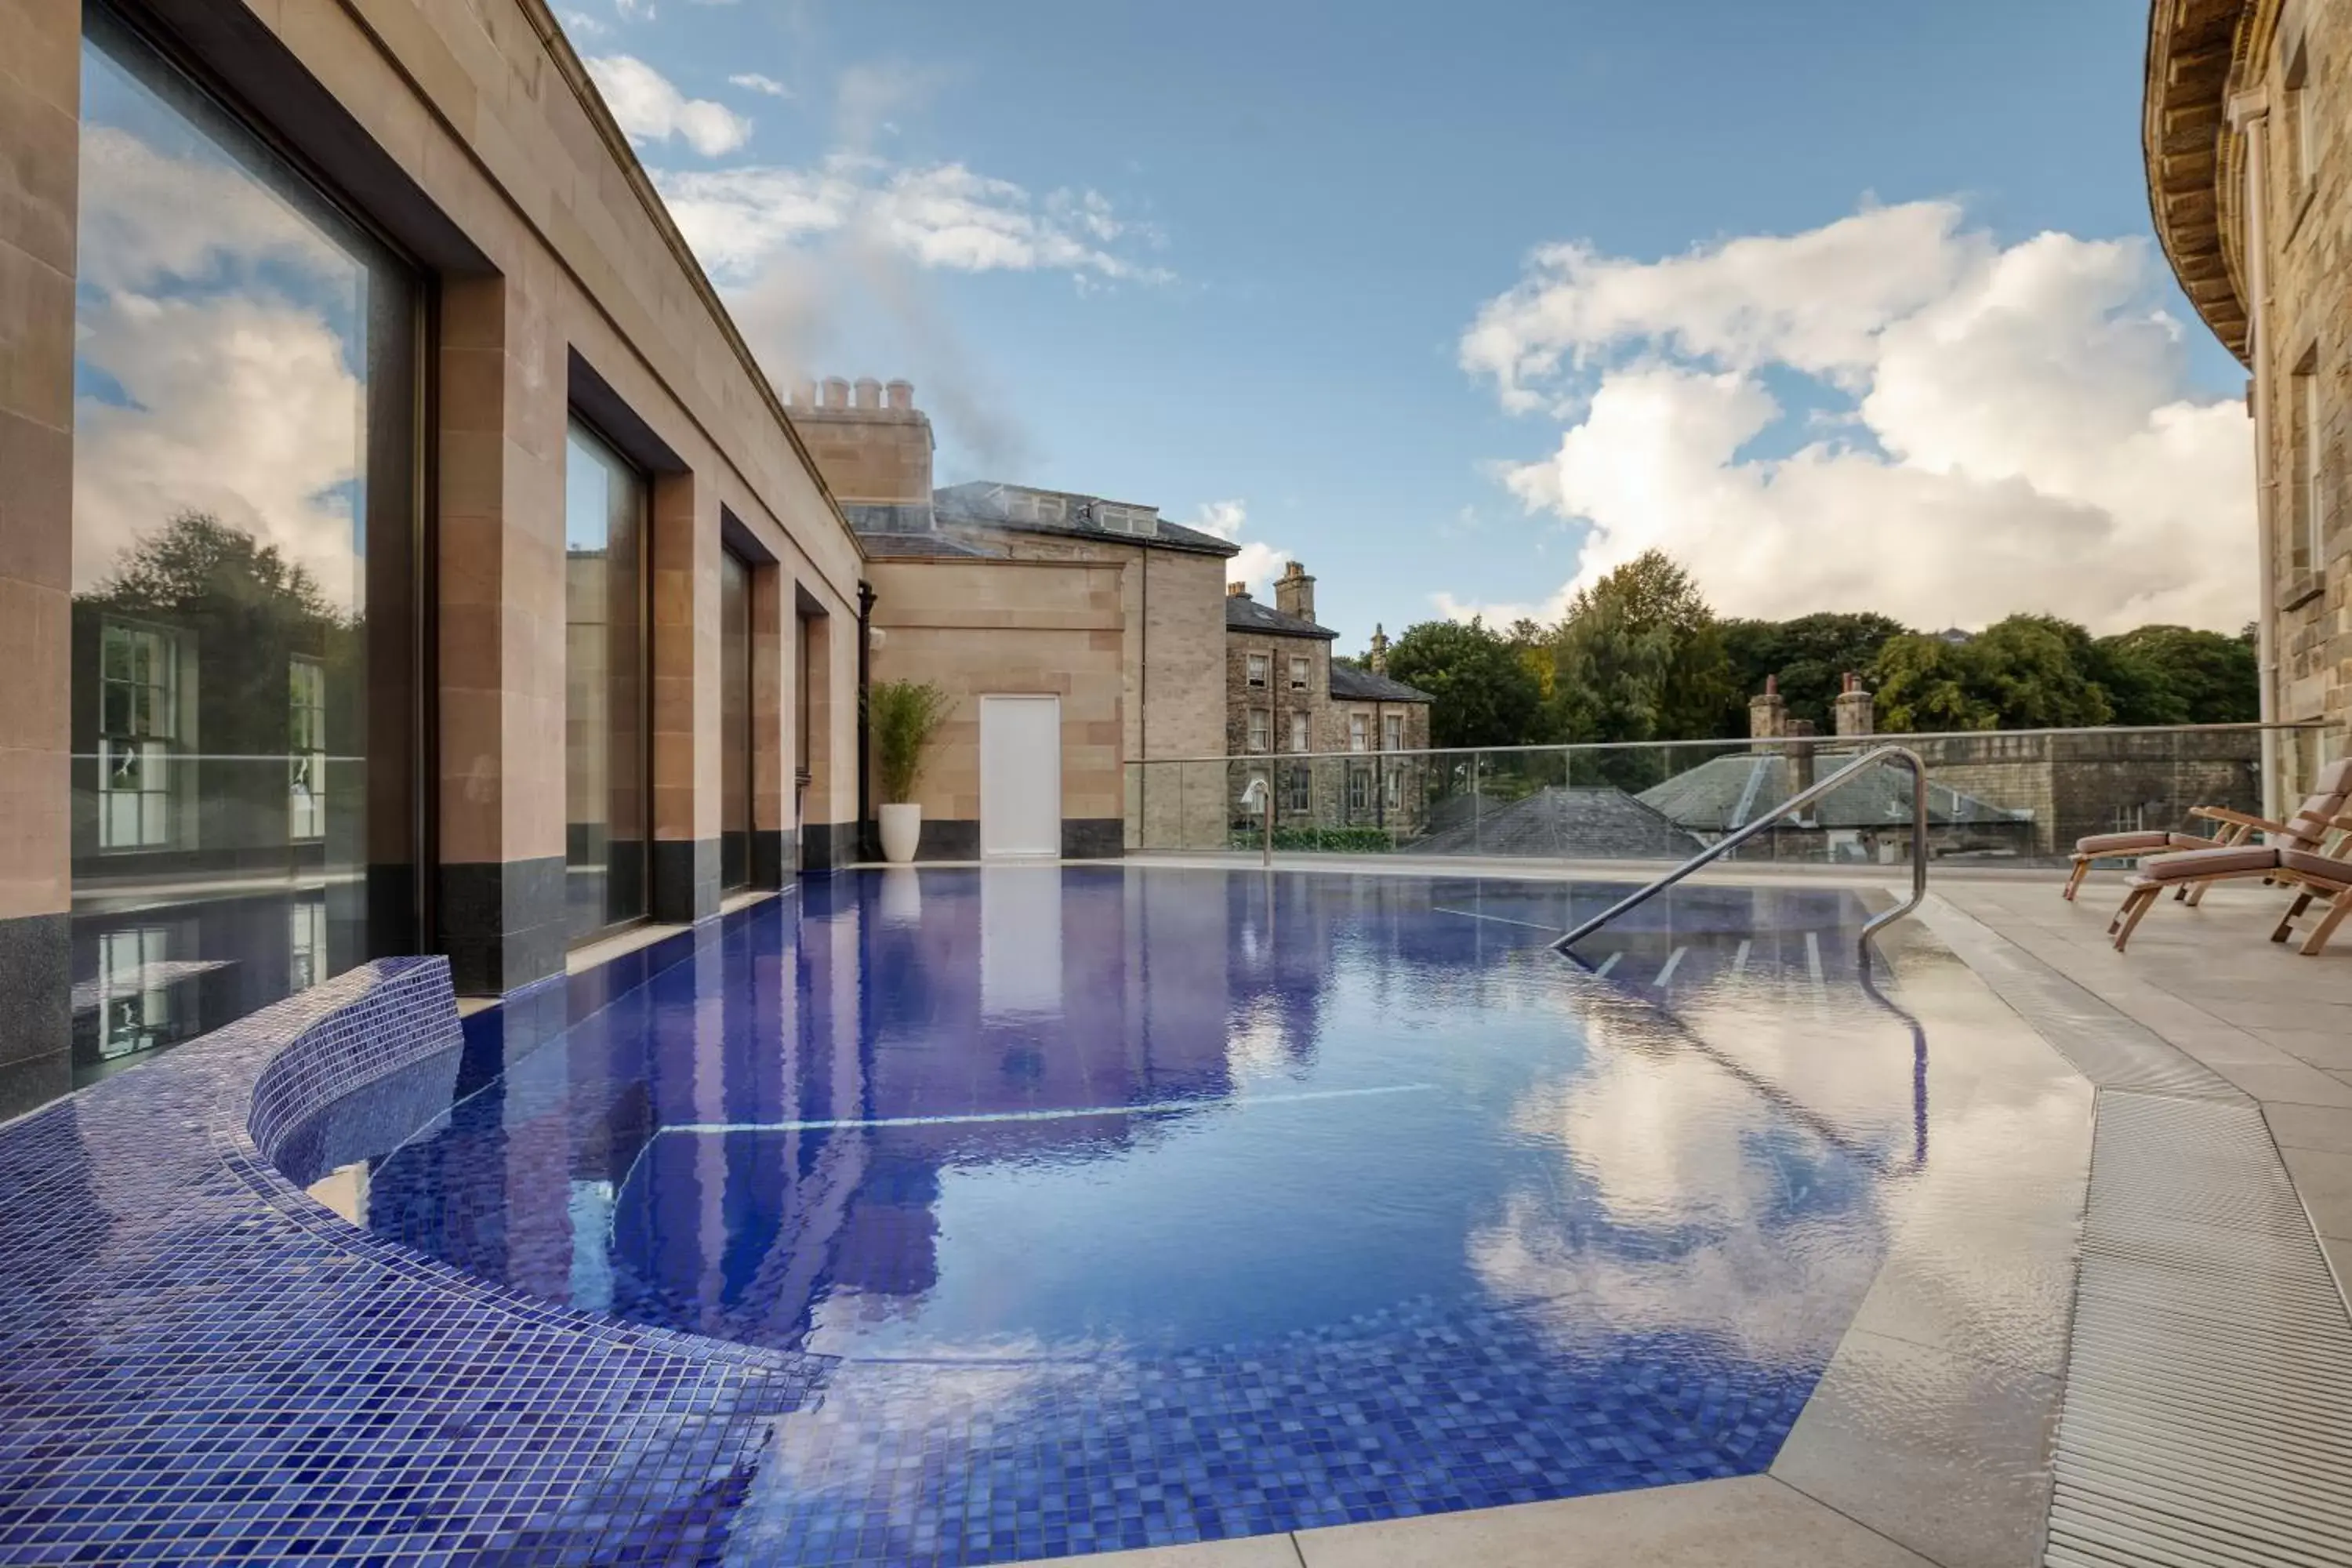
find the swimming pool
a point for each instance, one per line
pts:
(1105, 1208)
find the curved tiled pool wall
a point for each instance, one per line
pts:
(344, 1035)
(199, 1363)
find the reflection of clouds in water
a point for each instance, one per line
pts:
(1256, 1048)
(236, 397)
(1704, 1226)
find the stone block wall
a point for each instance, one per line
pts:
(981, 627)
(2309, 331)
(470, 132)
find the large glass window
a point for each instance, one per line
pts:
(605, 748)
(734, 720)
(243, 696)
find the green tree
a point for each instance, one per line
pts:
(1640, 656)
(2039, 673)
(2178, 675)
(1485, 694)
(1925, 684)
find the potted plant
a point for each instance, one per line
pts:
(902, 716)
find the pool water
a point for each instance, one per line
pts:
(1115, 1206)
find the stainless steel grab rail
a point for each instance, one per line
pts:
(1731, 841)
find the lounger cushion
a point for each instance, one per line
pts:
(2319, 868)
(2191, 864)
(2307, 827)
(2146, 843)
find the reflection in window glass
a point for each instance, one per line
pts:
(243, 613)
(604, 712)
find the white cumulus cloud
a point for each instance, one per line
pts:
(941, 215)
(2008, 427)
(1259, 563)
(650, 108)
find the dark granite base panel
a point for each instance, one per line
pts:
(827, 845)
(949, 838)
(1093, 837)
(502, 923)
(33, 1082)
(686, 881)
(1083, 838)
(771, 856)
(36, 991)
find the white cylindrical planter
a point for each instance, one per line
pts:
(902, 829)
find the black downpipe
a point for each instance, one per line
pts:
(866, 849)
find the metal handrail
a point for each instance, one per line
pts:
(1727, 744)
(1731, 841)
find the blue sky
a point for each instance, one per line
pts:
(1285, 217)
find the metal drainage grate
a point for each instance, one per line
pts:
(2208, 1411)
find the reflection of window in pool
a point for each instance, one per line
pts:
(139, 720)
(136, 1014)
(307, 941)
(306, 747)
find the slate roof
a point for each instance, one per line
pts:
(899, 546)
(962, 505)
(1353, 685)
(1728, 793)
(1581, 822)
(1249, 616)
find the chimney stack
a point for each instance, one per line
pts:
(1853, 707)
(1378, 657)
(1768, 713)
(1236, 590)
(1798, 761)
(1294, 592)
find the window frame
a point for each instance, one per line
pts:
(1258, 672)
(1360, 731)
(1302, 672)
(2305, 546)
(1258, 731)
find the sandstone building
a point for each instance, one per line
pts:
(1285, 696)
(2247, 133)
(401, 551)
(1161, 637)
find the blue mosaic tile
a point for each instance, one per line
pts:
(198, 1362)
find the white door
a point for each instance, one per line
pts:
(1021, 775)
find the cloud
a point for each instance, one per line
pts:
(1259, 563)
(2011, 427)
(752, 81)
(941, 215)
(649, 108)
(581, 24)
(212, 373)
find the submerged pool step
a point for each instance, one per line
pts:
(1677, 962)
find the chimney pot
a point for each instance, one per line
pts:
(1771, 686)
(870, 393)
(803, 393)
(1236, 590)
(901, 394)
(836, 391)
